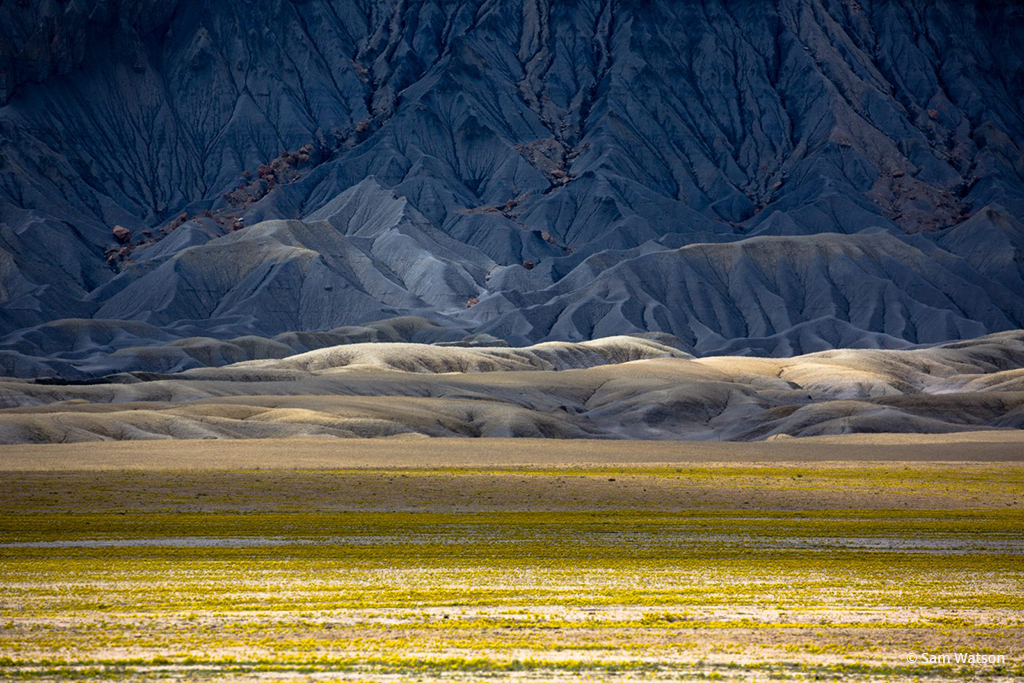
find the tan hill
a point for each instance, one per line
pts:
(615, 388)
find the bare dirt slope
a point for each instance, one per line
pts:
(615, 388)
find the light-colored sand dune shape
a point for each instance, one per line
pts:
(620, 387)
(424, 358)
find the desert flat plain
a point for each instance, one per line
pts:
(827, 558)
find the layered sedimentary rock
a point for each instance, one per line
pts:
(750, 177)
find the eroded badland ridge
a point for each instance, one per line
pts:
(751, 177)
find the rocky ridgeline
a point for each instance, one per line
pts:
(748, 177)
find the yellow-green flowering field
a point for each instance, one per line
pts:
(741, 571)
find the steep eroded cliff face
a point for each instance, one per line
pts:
(750, 177)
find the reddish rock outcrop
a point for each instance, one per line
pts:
(121, 234)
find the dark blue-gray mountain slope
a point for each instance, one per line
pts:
(751, 177)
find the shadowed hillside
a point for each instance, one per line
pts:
(768, 178)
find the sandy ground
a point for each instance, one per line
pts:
(423, 559)
(680, 487)
(994, 446)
